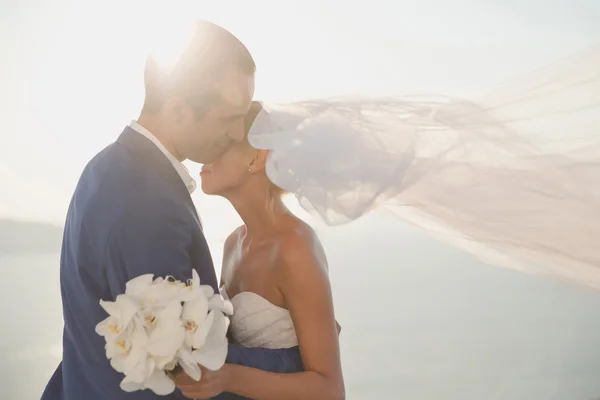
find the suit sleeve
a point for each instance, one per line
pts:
(157, 243)
(271, 360)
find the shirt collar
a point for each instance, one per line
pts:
(183, 172)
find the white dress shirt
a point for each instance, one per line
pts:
(183, 172)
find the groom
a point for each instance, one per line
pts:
(132, 214)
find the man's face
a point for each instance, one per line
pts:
(205, 139)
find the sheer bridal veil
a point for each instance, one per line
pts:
(512, 177)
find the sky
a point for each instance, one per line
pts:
(71, 71)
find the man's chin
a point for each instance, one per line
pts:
(199, 158)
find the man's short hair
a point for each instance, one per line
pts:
(211, 50)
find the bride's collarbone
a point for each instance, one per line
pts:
(252, 273)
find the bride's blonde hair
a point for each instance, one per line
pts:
(253, 111)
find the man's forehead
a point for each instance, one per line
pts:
(237, 89)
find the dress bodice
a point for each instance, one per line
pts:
(256, 322)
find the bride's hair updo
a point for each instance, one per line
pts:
(255, 109)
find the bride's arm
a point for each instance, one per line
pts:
(273, 360)
(307, 293)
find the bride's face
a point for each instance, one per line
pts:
(239, 165)
(230, 171)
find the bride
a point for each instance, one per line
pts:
(509, 178)
(275, 273)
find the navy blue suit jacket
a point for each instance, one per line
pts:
(131, 214)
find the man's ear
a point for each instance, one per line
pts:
(178, 110)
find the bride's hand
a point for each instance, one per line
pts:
(211, 384)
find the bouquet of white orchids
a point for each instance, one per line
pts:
(160, 325)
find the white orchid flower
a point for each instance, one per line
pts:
(195, 315)
(213, 352)
(168, 333)
(142, 369)
(128, 354)
(157, 292)
(118, 347)
(197, 325)
(137, 365)
(189, 364)
(161, 323)
(217, 302)
(158, 280)
(195, 289)
(160, 294)
(136, 287)
(120, 311)
(157, 353)
(194, 283)
(151, 292)
(158, 382)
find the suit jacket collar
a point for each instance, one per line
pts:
(189, 182)
(148, 153)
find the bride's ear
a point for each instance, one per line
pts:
(260, 160)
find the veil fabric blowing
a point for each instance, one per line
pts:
(512, 177)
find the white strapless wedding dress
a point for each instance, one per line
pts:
(256, 322)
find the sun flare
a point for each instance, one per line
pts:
(168, 43)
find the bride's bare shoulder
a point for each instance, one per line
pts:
(299, 243)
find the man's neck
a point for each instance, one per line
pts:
(155, 128)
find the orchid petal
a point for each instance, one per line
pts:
(195, 310)
(160, 383)
(102, 327)
(169, 333)
(213, 353)
(189, 338)
(189, 364)
(213, 356)
(208, 291)
(165, 340)
(171, 366)
(172, 312)
(195, 279)
(137, 286)
(162, 362)
(117, 346)
(217, 302)
(203, 330)
(117, 362)
(218, 330)
(151, 365)
(190, 294)
(135, 364)
(123, 309)
(128, 385)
